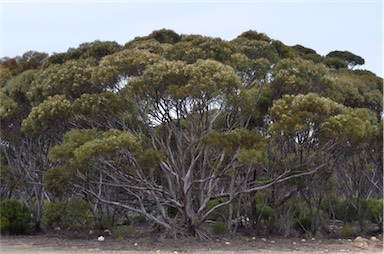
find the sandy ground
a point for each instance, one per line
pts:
(50, 245)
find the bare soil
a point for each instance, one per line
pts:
(49, 244)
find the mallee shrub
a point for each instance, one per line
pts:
(14, 217)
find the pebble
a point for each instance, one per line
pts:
(263, 239)
(303, 240)
(135, 244)
(227, 243)
(313, 239)
(373, 238)
(272, 241)
(294, 243)
(253, 238)
(349, 240)
(100, 238)
(175, 252)
(360, 242)
(360, 239)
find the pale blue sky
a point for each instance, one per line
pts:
(55, 26)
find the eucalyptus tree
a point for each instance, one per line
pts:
(316, 130)
(176, 127)
(298, 76)
(182, 156)
(22, 154)
(348, 57)
(35, 113)
(96, 50)
(28, 61)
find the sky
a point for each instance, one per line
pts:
(322, 25)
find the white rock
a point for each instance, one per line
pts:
(263, 239)
(373, 238)
(135, 244)
(57, 228)
(359, 239)
(272, 241)
(303, 240)
(349, 240)
(253, 238)
(294, 243)
(100, 238)
(175, 252)
(227, 243)
(313, 239)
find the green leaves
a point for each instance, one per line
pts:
(57, 180)
(71, 79)
(209, 78)
(80, 146)
(8, 107)
(356, 125)
(232, 140)
(108, 142)
(194, 47)
(256, 48)
(71, 141)
(95, 50)
(316, 116)
(302, 113)
(91, 104)
(357, 91)
(51, 111)
(252, 157)
(349, 58)
(118, 67)
(297, 76)
(165, 36)
(204, 79)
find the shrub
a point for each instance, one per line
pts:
(374, 210)
(219, 228)
(15, 218)
(220, 213)
(302, 224)
(347, 231)
(105, 222)
(345, 211)
(57, 180)
(124, 232)
(266, 212)
(139, 219)
(72, 215)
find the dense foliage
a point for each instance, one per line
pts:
(184, 129)
(15, 218)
